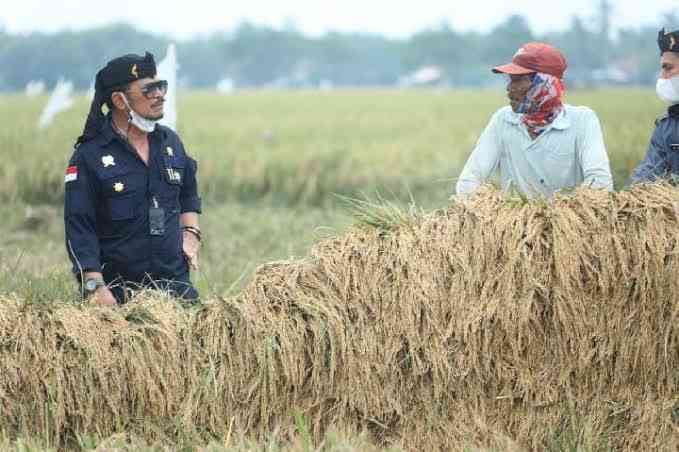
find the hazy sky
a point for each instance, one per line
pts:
(393, 17)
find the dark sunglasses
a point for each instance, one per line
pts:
(150, 89)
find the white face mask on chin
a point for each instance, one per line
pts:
(140, 122)
(668, 90)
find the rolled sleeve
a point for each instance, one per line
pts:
(654, 164)
(80, 221)
(482, 162)
(592, 153)
(188, 197)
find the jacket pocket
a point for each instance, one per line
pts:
(122, 216)
(122, 207)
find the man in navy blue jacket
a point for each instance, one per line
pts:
(662, 157)
(131, 201)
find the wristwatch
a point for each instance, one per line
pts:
(91, 285)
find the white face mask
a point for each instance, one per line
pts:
(140, 122)
(668, 90)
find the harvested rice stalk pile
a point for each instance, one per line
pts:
(495, 323)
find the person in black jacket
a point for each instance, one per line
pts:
(662, 156)
(131, 201)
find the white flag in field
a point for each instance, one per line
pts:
(226, 86)
(167, 70)
(35, 88)
(59, 101)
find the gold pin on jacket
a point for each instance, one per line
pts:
(118, 187)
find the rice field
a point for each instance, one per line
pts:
(274, 171)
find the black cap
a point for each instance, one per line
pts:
(125, 69)
(117, 72)
(668, 42)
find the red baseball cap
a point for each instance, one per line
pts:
(535, 57)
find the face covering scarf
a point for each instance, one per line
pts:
(542, 103)
(668, 90)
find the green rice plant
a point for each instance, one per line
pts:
(301, 148)
(380, 213)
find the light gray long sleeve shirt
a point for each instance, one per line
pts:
(569, 153)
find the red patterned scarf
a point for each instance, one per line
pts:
(542, 103)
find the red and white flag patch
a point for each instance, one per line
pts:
(71, 174)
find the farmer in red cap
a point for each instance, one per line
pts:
(539, 144)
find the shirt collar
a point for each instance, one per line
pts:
(561, 122)
(673, 111)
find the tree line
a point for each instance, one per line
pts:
(254, 55)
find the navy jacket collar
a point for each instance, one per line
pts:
(673, 111)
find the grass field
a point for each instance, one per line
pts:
(270, 167)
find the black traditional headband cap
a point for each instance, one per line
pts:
(125, 69)
(668, 42)
(117, 72)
